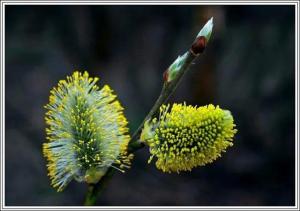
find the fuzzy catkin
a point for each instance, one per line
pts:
(185, 137)
(86, 131)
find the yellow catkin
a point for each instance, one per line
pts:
(86, 131)
(188, 136)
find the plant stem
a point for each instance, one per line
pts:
(166, 92)
(95, 189)
(172, 77)
(135, 144)
(90, 196)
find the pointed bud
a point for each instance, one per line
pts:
(206, 30)
(197, 47)
(202, 38)
(171, 73)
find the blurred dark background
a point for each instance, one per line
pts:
(247, 68)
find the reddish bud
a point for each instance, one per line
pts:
(199, 45)
(166, 75)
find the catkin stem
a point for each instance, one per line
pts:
(95, 189)
(168, 88)
(90, 196)
(135, 144)
(166, 92)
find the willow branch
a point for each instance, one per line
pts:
(172, 76)
(95, 189)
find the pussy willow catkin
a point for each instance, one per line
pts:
(86, 131)
(185, 137)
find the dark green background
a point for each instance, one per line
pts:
(248, 68)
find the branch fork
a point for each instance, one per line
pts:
(171, 77)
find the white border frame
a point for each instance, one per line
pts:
(171, 2)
